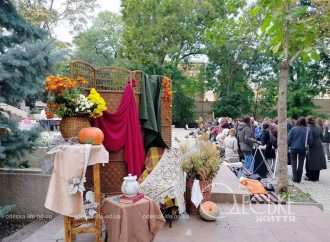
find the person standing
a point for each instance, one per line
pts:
(231, 147)
(298, 141)
(326, 139)
(267, 142)
(246, 140)
(316, 158)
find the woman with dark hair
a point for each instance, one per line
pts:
(298, 140)
(246, 140)
(316, 158)
(267, 140)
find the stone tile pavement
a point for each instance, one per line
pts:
(319, 191)
(241, 223)
(253, 223)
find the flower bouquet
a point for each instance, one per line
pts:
(67, 100)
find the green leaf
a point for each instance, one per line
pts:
(266, 23)
(315, 55)
(255, 11)
(305, 57)
(276, 48)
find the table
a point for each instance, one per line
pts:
(66, 190)
(137, 222)
(71, 225)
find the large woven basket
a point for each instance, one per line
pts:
(70, 126)
(206, 187)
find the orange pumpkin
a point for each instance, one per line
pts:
(91, 135)
(49, 115)
(209, 211)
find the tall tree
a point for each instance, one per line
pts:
(48, 13)
(100, 43)
(25, 57)
(229, 46)
(162, 31)
(290, 28)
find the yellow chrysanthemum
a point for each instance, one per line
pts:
(97, 99)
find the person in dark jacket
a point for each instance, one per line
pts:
(326, 139)
(297, 141)
(245, 139)
(267, 141)
(316, 158)
(268, 152)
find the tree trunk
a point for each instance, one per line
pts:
(282, 166)
(282, 135)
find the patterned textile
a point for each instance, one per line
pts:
(153, 156)
(167, 180)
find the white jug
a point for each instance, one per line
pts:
(130, 186)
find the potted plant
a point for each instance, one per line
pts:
(202, 164)
(67, 100)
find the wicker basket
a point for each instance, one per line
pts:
(70, 126)
(206, 187)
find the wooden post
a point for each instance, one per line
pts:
(71, 227)
(97, 192)
(67, 229)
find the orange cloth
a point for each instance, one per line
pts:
(254, 186)
(137, 222)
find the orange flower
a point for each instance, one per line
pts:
(167, 93)
(57, 84)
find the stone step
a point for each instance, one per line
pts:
(227, 189)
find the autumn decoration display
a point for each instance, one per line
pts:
(67, 99)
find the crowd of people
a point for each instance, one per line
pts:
(308, 143)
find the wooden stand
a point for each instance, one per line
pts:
(72, 227)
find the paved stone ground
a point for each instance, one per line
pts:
(253, 223)
(257, 223)
(319, 191)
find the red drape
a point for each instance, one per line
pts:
(122, 129)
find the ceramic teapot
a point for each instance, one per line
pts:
(130, 186)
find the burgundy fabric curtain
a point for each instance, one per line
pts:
(122, 129)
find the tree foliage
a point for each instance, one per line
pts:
(26, 56)
(229, 46)
(183, 98)
(100, 43)
(48, 13)
(156, 32)
(15, 143)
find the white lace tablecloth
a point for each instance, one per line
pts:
(167, 180)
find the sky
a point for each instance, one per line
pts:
(62, 31)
